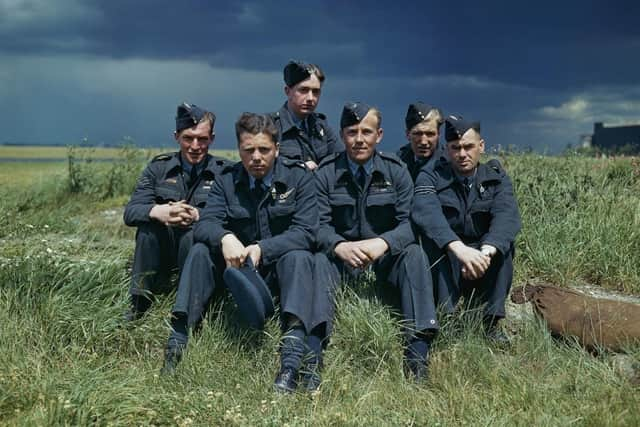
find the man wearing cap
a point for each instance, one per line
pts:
(261, 213)
(364, 199)
(423, 131)
(469, 211)
(166, 203)
(304, 135)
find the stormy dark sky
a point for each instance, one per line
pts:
(535, 74)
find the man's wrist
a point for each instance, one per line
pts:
(455, 245)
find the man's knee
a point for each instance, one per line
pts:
(295, 258)
(151, 231)
(199, 251)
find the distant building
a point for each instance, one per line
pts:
(615, 136)
(585, 140)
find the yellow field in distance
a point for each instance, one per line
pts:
(27, 152)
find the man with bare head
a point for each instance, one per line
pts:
(261, 218)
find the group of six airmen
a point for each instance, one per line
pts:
(304, 233)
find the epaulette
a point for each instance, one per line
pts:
(292, 162)
(164, 156)
(228, 167)
(404, 150)
(221, 161)
(275, 115)
(496, 166)
(329, 159)
(321, 116)
(392, 157)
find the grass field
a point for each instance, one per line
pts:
(67, 359)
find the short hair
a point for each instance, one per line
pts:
(377, 114)
(253, 123)
(434, 115)
(210, 118)
(315, 69)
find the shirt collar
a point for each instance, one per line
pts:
(294, 119)
(186, 166)
(470, 179)
(353, 166)
(266, 180)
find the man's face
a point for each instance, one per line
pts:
(360, 140)
(424, 139)
(302, 98)
(257, 152)
(465, 152)
(194, 142)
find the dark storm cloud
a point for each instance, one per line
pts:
(540, 44)
(536, 74)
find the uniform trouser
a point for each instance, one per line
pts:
(491, 290)
(407, 272)
(160, 250)
(292, 274)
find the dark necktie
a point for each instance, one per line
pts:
(258, 190)
(361, 177)
(466, 183)
(193, 176)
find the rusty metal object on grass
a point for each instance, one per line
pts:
(595, 322)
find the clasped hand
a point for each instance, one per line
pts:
(475, 263)
(361, 253)
(175, 214)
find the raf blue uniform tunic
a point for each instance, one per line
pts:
(311, 139)
(159, 248)
(284, 222)
(380, 209)
(414, 164)
(486, 213)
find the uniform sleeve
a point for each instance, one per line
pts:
(213, 219)
(402, 235)
(142, 200)
(505, 220)
(304, 224)
(427, 213)
(327, 236)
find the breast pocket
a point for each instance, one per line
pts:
(199, 198)
(481, 216)
(290, 148)
(168, 193)
(381, 211)
(343, 210)
(320, 148)
(280, 217)
(240, 222)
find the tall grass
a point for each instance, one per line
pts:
(67, 359)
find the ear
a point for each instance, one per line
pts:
(408, 135)
(176, 135)
(277, 149)
(287, 90)
(379, 136)
(481, 146)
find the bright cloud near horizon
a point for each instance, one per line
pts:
(536, 75)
